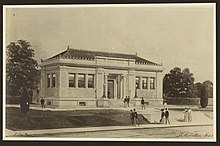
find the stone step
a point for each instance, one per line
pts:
(118, 103)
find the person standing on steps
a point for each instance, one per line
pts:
(142, 103)
(42, 101)
(128, 100)
(125, 101)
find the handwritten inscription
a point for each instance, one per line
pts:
(190, 134)
(22, 135)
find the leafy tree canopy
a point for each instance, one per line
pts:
(21, 68)
(178, 83)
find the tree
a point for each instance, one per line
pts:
(178, 83)
(188, 83)
(209, 86)
(198, 87)
(21, 68)
(204, 96)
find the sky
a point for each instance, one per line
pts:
(176, 36)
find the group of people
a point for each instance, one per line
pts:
(134, 118)
(187, 115)
(165, 116)
(126, 101)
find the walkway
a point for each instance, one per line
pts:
(199, 119)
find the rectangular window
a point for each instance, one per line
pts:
(90, 81)
(81, 81)
(53, 80)
(144, 83)
(72, 80)
(82, 103)
(48, 80)
(152, 83)
(137, 83)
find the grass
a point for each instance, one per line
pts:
(37, 119)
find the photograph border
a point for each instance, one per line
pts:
(33, 139)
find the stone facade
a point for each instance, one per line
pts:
(70, 82)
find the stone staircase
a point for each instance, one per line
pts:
(118, 103)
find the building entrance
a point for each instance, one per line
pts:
(110, 92)
(114, 87)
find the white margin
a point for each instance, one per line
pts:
(194, 5)
(114, 5)
(214, 73)
(4, 73)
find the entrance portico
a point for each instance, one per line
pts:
(114, 86)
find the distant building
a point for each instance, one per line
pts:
(76, 78)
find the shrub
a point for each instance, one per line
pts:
(204, 97)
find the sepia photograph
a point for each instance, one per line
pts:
(109, 72)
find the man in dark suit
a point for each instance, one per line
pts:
(132, 118)
(142, 103)
(135, 118)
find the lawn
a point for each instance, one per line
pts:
(37, 119)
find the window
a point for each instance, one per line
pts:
(71, 80)
(152, 83)
(81, 81)
(48, 80)
(144, 83)
(82, 103)
(137, 83)
(90, 81)
(53, 79)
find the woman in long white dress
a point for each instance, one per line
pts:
(189, 115)
(185, 119)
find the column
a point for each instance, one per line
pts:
(106, 84)
(123, 86)
(131, 85)
(140, 83)
(159, 85)
(86, 80)
(43, 83)
(99, 82)
(148, 83)
(76, 80)
(119, 87)
(50, 80)
(64, 83)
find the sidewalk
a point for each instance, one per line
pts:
(10, 133)
(199, 119)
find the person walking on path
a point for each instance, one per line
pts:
(142, 103)
(167, 114)
(135, 118)
(132, 118)
(162, 119)
(42, 101)
(189, 115)
(185, 112)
